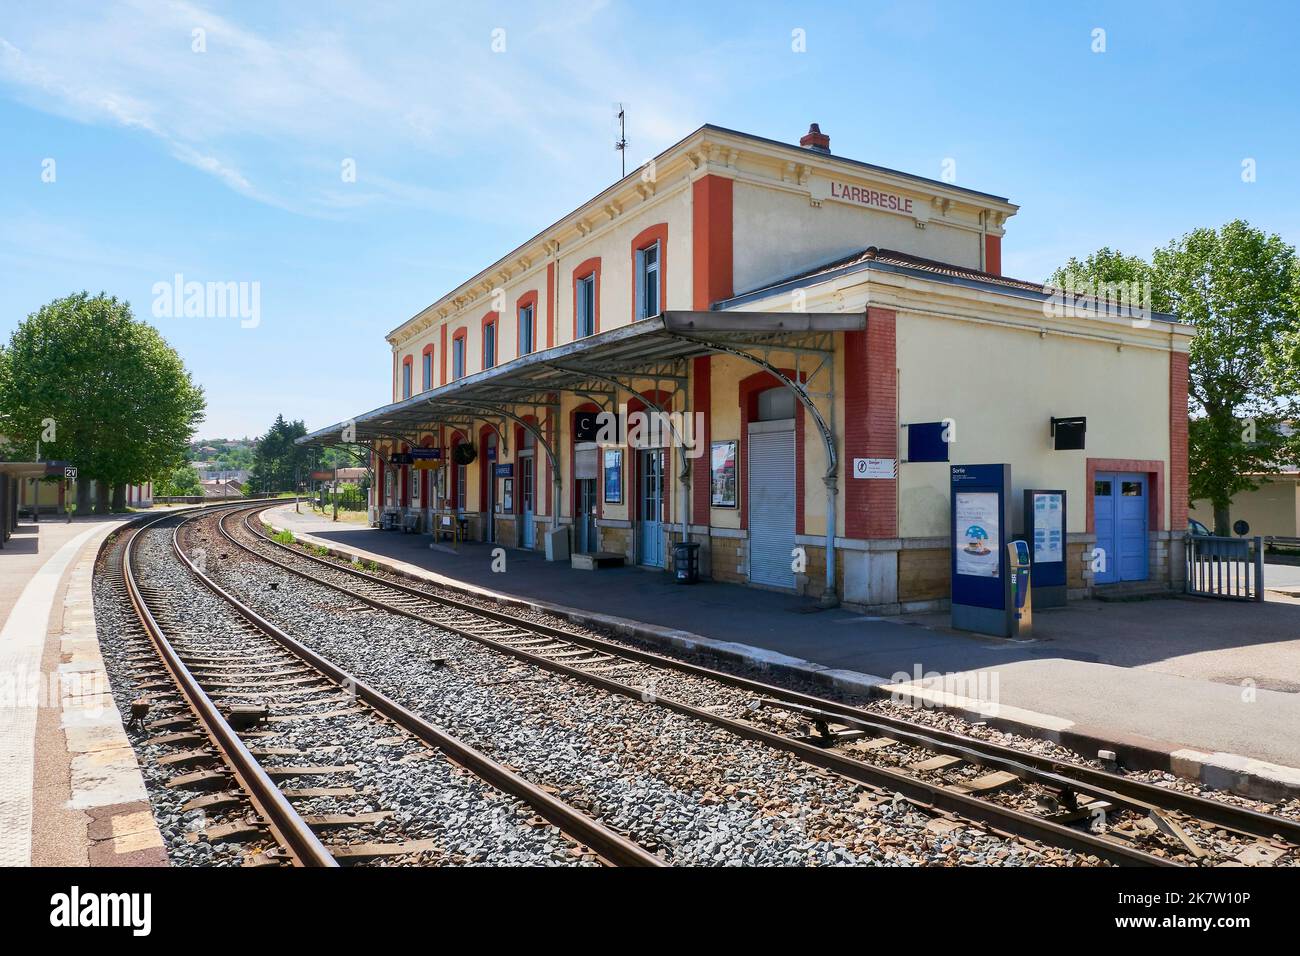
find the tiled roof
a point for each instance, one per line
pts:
(906, 261)
(873, 256)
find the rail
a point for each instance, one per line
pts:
(286, 825)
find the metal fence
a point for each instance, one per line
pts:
(1231, 568)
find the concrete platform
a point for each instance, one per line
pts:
(71, 793)
(1207, 689)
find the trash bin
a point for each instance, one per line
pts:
(686, 562)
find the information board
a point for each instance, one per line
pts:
(1049, 532)
(1046, 529)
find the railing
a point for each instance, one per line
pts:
(1231, 568)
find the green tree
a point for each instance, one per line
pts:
(1106, 266)
(1240, 289)
(121, 403)
(182, 480)
(278, 463)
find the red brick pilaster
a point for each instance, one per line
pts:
(701, 476)
(711, 241)
(871, 425)
(993, 254)
(442, 353)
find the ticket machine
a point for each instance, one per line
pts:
(1022, 596)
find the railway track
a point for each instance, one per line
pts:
(282, 745)
(1118, 819)
(245, 805)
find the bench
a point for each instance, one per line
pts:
(449, 525)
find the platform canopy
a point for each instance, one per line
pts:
(598, 367)
(615, 365)
(29, 469)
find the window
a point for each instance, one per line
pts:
(1130, 489)
(1101, 489)
(415, 485)
(489, 345)
(647, 281)
(776, 404)
(462, 480)
(458, 357)
(406, 378)
(428, 370)
(585, 293)
(526, 330)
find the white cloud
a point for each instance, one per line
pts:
(408, 91)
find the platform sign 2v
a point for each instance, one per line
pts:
(979, 527)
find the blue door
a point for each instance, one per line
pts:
(527, 495)
(650, 529)
(1120, 513)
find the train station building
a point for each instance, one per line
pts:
(777, 353)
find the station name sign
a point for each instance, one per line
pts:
(870, 197)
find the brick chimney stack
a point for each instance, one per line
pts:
(816, 139)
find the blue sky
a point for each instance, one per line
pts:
(225, 165)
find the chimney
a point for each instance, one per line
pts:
(816, 139)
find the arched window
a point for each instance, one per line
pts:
(458, 354)
(586, 298)
(776, 404)
(526, 311)
(649, 271)
(489, 340)
(427, 363)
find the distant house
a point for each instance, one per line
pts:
(222, 474)
(226, 488)
(351, 476)
(1271, 509)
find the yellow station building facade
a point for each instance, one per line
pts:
(791, 319)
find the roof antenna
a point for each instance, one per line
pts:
(621, 144)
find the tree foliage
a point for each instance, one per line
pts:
(278, 463)
(1106, 265)
(1240, 288)
(183, 480)
(122, 404)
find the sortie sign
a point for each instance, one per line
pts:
(870, 197)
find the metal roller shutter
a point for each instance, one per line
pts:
(771, 503)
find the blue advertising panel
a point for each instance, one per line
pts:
(979, 534)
